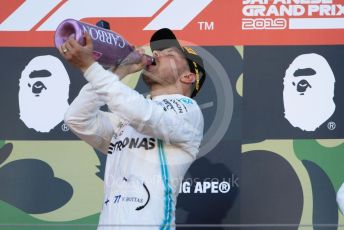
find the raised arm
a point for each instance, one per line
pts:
(85, 119)
(170, 120)
(157, 119)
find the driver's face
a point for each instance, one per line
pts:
(170, 64)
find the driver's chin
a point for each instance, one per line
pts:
(149, 78)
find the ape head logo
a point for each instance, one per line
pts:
(43, 93)
(308, 92)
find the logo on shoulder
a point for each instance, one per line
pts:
(186, 101)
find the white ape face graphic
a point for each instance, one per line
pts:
(308, 92)
(43, 93)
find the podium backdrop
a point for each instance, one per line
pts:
(273, 149)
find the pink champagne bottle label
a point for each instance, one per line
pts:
(109, 48)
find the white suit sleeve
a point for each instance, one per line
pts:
(89, 123)
(340, 198)
(156, 119)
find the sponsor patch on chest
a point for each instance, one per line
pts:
(145, 143)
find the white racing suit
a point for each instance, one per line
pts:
(340, 198)
(150, 144)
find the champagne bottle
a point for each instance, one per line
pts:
(109, 48)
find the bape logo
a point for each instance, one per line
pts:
(308, 92)
(43, 93)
